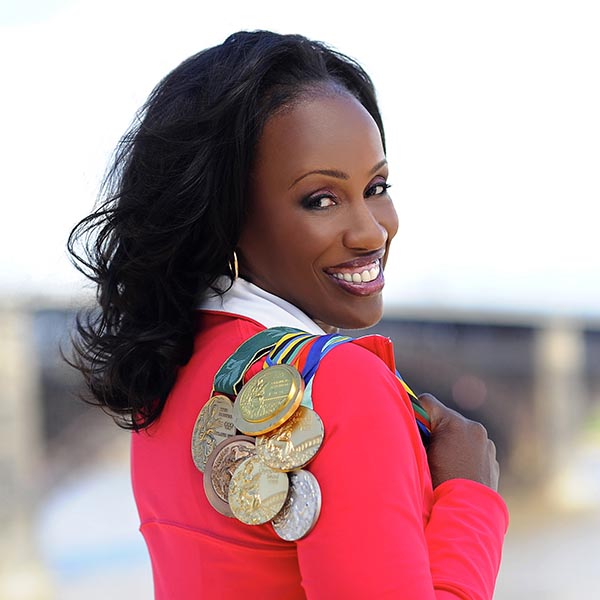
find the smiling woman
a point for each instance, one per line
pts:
(246, 218)
(321, 221)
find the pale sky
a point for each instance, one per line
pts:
(491, 114)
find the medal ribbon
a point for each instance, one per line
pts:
(287, 345)
(421, 416)
(230, 377)
(290, 348)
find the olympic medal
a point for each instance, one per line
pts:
(293, 444)
(257, 492)
(268, 399)
(301, 509)
(220, 467)
(213, 425)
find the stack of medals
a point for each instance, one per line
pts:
(252, 449)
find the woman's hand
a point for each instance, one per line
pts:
(459, 447)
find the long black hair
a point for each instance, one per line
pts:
(173, 204)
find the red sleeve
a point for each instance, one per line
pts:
(383, 533)
(464, 536)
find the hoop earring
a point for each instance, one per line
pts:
(233, 266)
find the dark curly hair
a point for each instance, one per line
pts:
(172, 207)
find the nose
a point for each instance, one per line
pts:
(366, 230)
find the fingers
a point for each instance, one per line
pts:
(438, 413)
(459, 447)
(433, 407)
(428, 399)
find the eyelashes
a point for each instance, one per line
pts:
(324, 200)
(378, 189)
(319, 201)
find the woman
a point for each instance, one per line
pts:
(266, 154)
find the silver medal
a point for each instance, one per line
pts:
(301, 509)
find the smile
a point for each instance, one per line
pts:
(361, 275)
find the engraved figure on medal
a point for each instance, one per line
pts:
(268, 399)
(295, 443)
(252, 402)
(257, 492)
(220, 467)
(301, 509)
(213, 425)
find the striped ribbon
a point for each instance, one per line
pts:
(287, 345)
(291, 348)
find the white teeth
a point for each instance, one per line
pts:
(363, 277)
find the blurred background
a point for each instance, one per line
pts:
(493, 293)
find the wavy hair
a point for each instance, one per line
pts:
(172, 206)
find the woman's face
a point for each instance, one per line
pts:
(320, 219)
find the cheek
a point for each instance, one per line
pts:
(262, 231)
(284, 244)
(300, 249)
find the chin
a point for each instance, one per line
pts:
(339, 313)
(361, 320)
(362, 324)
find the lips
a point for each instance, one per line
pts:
(362, 276)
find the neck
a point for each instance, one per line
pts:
(326, 328)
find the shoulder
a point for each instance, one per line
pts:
(369, 423)
(221, 328)
(353, 381)
(218, 335)
(362, 353)
(358, 365)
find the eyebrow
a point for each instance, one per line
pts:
(336, 173)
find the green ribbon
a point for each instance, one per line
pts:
(230, 377)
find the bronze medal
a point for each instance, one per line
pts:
(257, 492)
(213, 425)
(301, 509)
(294, 444)
(268, 399)
(221, 465)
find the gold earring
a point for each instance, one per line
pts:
(233, 266)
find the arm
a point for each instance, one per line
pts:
(383, 533)
(464, 537)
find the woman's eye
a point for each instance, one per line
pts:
(319, 202)
(378, 189)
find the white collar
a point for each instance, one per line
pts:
(248, 300)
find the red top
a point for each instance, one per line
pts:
(382, 533)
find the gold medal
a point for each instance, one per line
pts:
(293, 444)
(213, 425)
(301, 509)
(268, 399)
(257, 492)
(221, 465)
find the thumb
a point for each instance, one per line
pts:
(436, 411)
